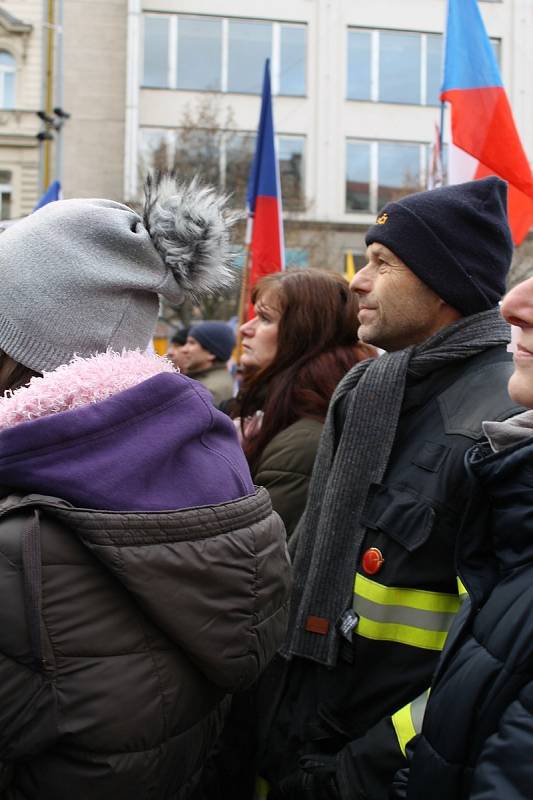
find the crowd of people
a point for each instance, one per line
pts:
(310, 583)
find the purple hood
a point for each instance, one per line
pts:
(157, 446)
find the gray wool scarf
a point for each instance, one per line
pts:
(330, 533)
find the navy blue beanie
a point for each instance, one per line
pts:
(456, 239)
(216, 337)
(180, 337)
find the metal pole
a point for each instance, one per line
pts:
(59, 91)
(49, 92)
(441, 135)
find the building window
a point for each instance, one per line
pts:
(250, 44)
(156, 43)
(8, 68)
(359, 64)
(6, 192)
(228, 55)
(237, 154)
(199, 53)
(397, 66)
(291, 155)
(296, 258)
(399, 171)
(222, 158)
(292, 60)
(378, 172)
(433, 75)
(358, 176)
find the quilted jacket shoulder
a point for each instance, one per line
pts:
(121, 635)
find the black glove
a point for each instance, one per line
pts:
(314, 780)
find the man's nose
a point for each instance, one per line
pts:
(517, 305)
(361, 280)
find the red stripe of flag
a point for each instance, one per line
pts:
(482, 120)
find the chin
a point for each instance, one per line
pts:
(520, 389)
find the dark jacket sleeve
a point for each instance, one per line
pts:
(366, 767)
(285, 469)
(505, 767)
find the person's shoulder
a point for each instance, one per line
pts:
(296, 443)
(479, 394)
(303, 430)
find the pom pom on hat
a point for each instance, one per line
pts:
(190, 230)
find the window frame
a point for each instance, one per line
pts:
(173, 43)
(169, 137)
(373, 188)
(375, 50)
(10, 69)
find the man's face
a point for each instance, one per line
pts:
(175, 354)
(395, 308)
(517, 309)
(196, 357)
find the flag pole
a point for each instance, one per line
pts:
(441, 135)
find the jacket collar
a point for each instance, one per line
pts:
(509, 432)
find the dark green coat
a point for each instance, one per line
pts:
(217, 380)
(285, 469)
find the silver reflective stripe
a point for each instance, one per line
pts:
(407, 721)
(418, 708)
(402, 615)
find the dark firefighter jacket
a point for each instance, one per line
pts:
(369, 706)
(477, 736)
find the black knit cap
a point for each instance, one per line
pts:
(456, 239)
(216, 337)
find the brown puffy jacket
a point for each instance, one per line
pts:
(121, 635)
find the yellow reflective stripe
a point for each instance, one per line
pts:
(403, 725)
(461, 589)
(414, 617)
(403, 634)
(413, 598)
(262, 789)
(408, 720)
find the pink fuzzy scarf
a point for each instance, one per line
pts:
(82, 381)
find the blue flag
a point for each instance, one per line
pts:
(52, 193)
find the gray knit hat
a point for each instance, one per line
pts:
(82, 276)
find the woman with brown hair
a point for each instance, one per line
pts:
(299, 344)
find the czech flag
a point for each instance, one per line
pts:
(52, 194)
(485, 140)
(265, 222)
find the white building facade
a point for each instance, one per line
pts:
(20, 96)
(176, 83)
(356, 88)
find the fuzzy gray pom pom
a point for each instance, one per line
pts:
(189, 226)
